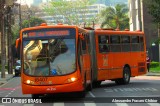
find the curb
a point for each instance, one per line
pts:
(153, 74)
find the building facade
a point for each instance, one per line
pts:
(89, 13)
(140, 19)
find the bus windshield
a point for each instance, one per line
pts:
(49, 57)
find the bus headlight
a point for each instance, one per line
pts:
(29, 82)
(72, 79)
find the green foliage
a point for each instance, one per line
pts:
(34, 21)
(69, 10)
(116, 17)
(154, 9)
(15, 32)
(155, 67)
(154, 64)
(6, 67)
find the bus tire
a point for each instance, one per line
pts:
(96, 84)
(126, 77)
(35, 96)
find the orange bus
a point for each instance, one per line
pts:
(117, 55)
(54, 59)
(64, 58)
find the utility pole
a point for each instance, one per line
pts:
(3, 45)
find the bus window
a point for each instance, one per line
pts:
(135, 43)
(84, 51)
(115, 45)
(35, 61)
(103, 42)
(49, 57)
(64, 59)
(125, 40)
(141, 41)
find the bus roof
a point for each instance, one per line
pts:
(49, 26)
(118, 32)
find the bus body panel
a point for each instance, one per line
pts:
(111, 64)
(62, 83)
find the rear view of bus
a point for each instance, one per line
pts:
(48, 55)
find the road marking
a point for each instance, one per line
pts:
(89, 104)
(121, 104)
(92, 94)
(154, 104)
(10, 88)
(58, 104)
(131, 89)
(28, 105)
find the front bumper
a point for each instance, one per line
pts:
(70, 87)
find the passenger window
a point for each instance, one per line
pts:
(103, 41)
(115, 45)
(135, 46)
(125, 40)
(141, 41)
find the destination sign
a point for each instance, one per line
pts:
(48, 33)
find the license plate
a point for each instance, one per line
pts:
(41, 79)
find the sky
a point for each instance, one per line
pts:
(28, 2)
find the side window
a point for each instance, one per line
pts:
(115, 45)
(115, 39)
(135, 39)
(88, 43)
(83, 44)
(141, 41)
(125, 40)
(135, 43)
(79, 54)
(103, 41)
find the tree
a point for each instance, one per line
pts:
(33, 21)
(154, 10)
(116, 17)
(69, 10)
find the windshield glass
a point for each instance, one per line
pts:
(49, 57)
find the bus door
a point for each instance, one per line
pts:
(84, 60)
(104, 58)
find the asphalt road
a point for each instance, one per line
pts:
(142, 91)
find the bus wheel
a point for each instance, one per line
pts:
(126, 76)
(96, 84)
